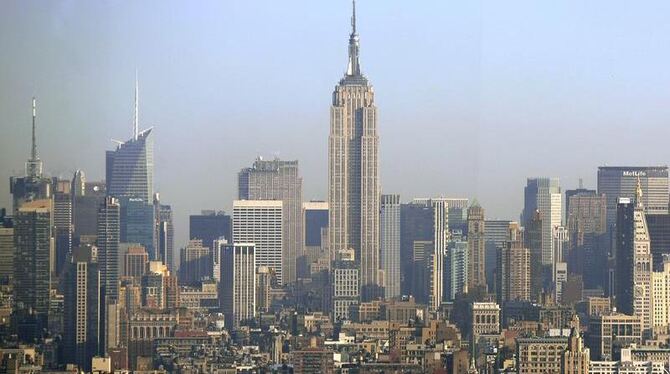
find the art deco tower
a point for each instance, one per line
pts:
(353, 170)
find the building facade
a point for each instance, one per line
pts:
(476, 247)
(279, 180)
(238, 286)
(260, 222)
(108, 239)
(353, 170)
(390, 244)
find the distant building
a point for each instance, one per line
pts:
(495, 236)
(196, 263)
(238, 283)
(260, 222)
(63, 229)
(621, 181)
(633, 261)
(32, 266)
(576, 358)
(416, 228)
(456, 267)
(108, 239)
(83, 308)
(279, 180)
(209, 226)
(513, 267)
(540, 355)
(543, 195)
(346, 286)
(136, 262)
(315, 226)
(138, 224)
(164, 233)
(130, 167)
(32, 186)
(390, 244)
(6, 248)
(485, 319)
(476, 247)
(86, 200)
(660, 298)
(534, 239)
(606, 332)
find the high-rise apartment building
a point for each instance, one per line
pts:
(390, 244)
(279, 180)
(261, 222)
(621, 181)
(544, 195)
(83, 308)
(633, 261)
(32, 265)
(32, 186)
(513, 270)
(130, 167)
(476, 247)
(353, 170)
(238, 283)
(456, 267)
(108, 239)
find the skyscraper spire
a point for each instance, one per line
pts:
(136, 127)
(353, 68)
(34, 164)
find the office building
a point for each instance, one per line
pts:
(346, 286)
(633, 261)
(659, 237)
(353, 170)
(476, 247)
(7, 251)
(138, 224)
(210, 225)
(540, 355)
(260, 222)
(416, 229)
(264, 280)
(485, 319)
(32, 266)
(86, 200)
(608, 331)
(621, 181)
(315, 226)
(660, 298)
(108, 239)
(32, 186)
(495, 237)
(196, 263)
(62, 203)
(513, 271)
(533, 238)
(279, 180)
(130, 167)
(238, 283)
(390, 244)
(82, 308)
(135, 262)
(456, 267)
(586, 214)
(544, 195)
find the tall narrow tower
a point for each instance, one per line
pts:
(353, 170)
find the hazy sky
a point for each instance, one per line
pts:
(473, 96)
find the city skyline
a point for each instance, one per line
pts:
(94, 106)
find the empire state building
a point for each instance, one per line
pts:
(353, 171)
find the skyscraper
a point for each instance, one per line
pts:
(279, 180)
(456, 267)
(476, 247)
(621, 181)
(496, 233)
(260, 222)
(33, 185)
(196, 263)
(544, 195)
(138, 224)
(353, 167)
(209, 226)
(238, 283)
(109, 233)
(130, 167)
(32, 270)
(440, 242)
(390, 244)
(633, 260)
(82, 308)
(165, 235)
(86, 200)
(315, 226)
(62, 228)
(346, 286)
(7, 251)
(513, 269)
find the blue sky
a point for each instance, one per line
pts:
(473, 96)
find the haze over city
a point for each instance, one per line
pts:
(473, 97)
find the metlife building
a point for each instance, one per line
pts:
(621, 181)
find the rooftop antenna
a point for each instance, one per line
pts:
(136, 127)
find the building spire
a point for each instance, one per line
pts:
(353, 68)
(638, 193)
(34, 164)
(136, 127)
